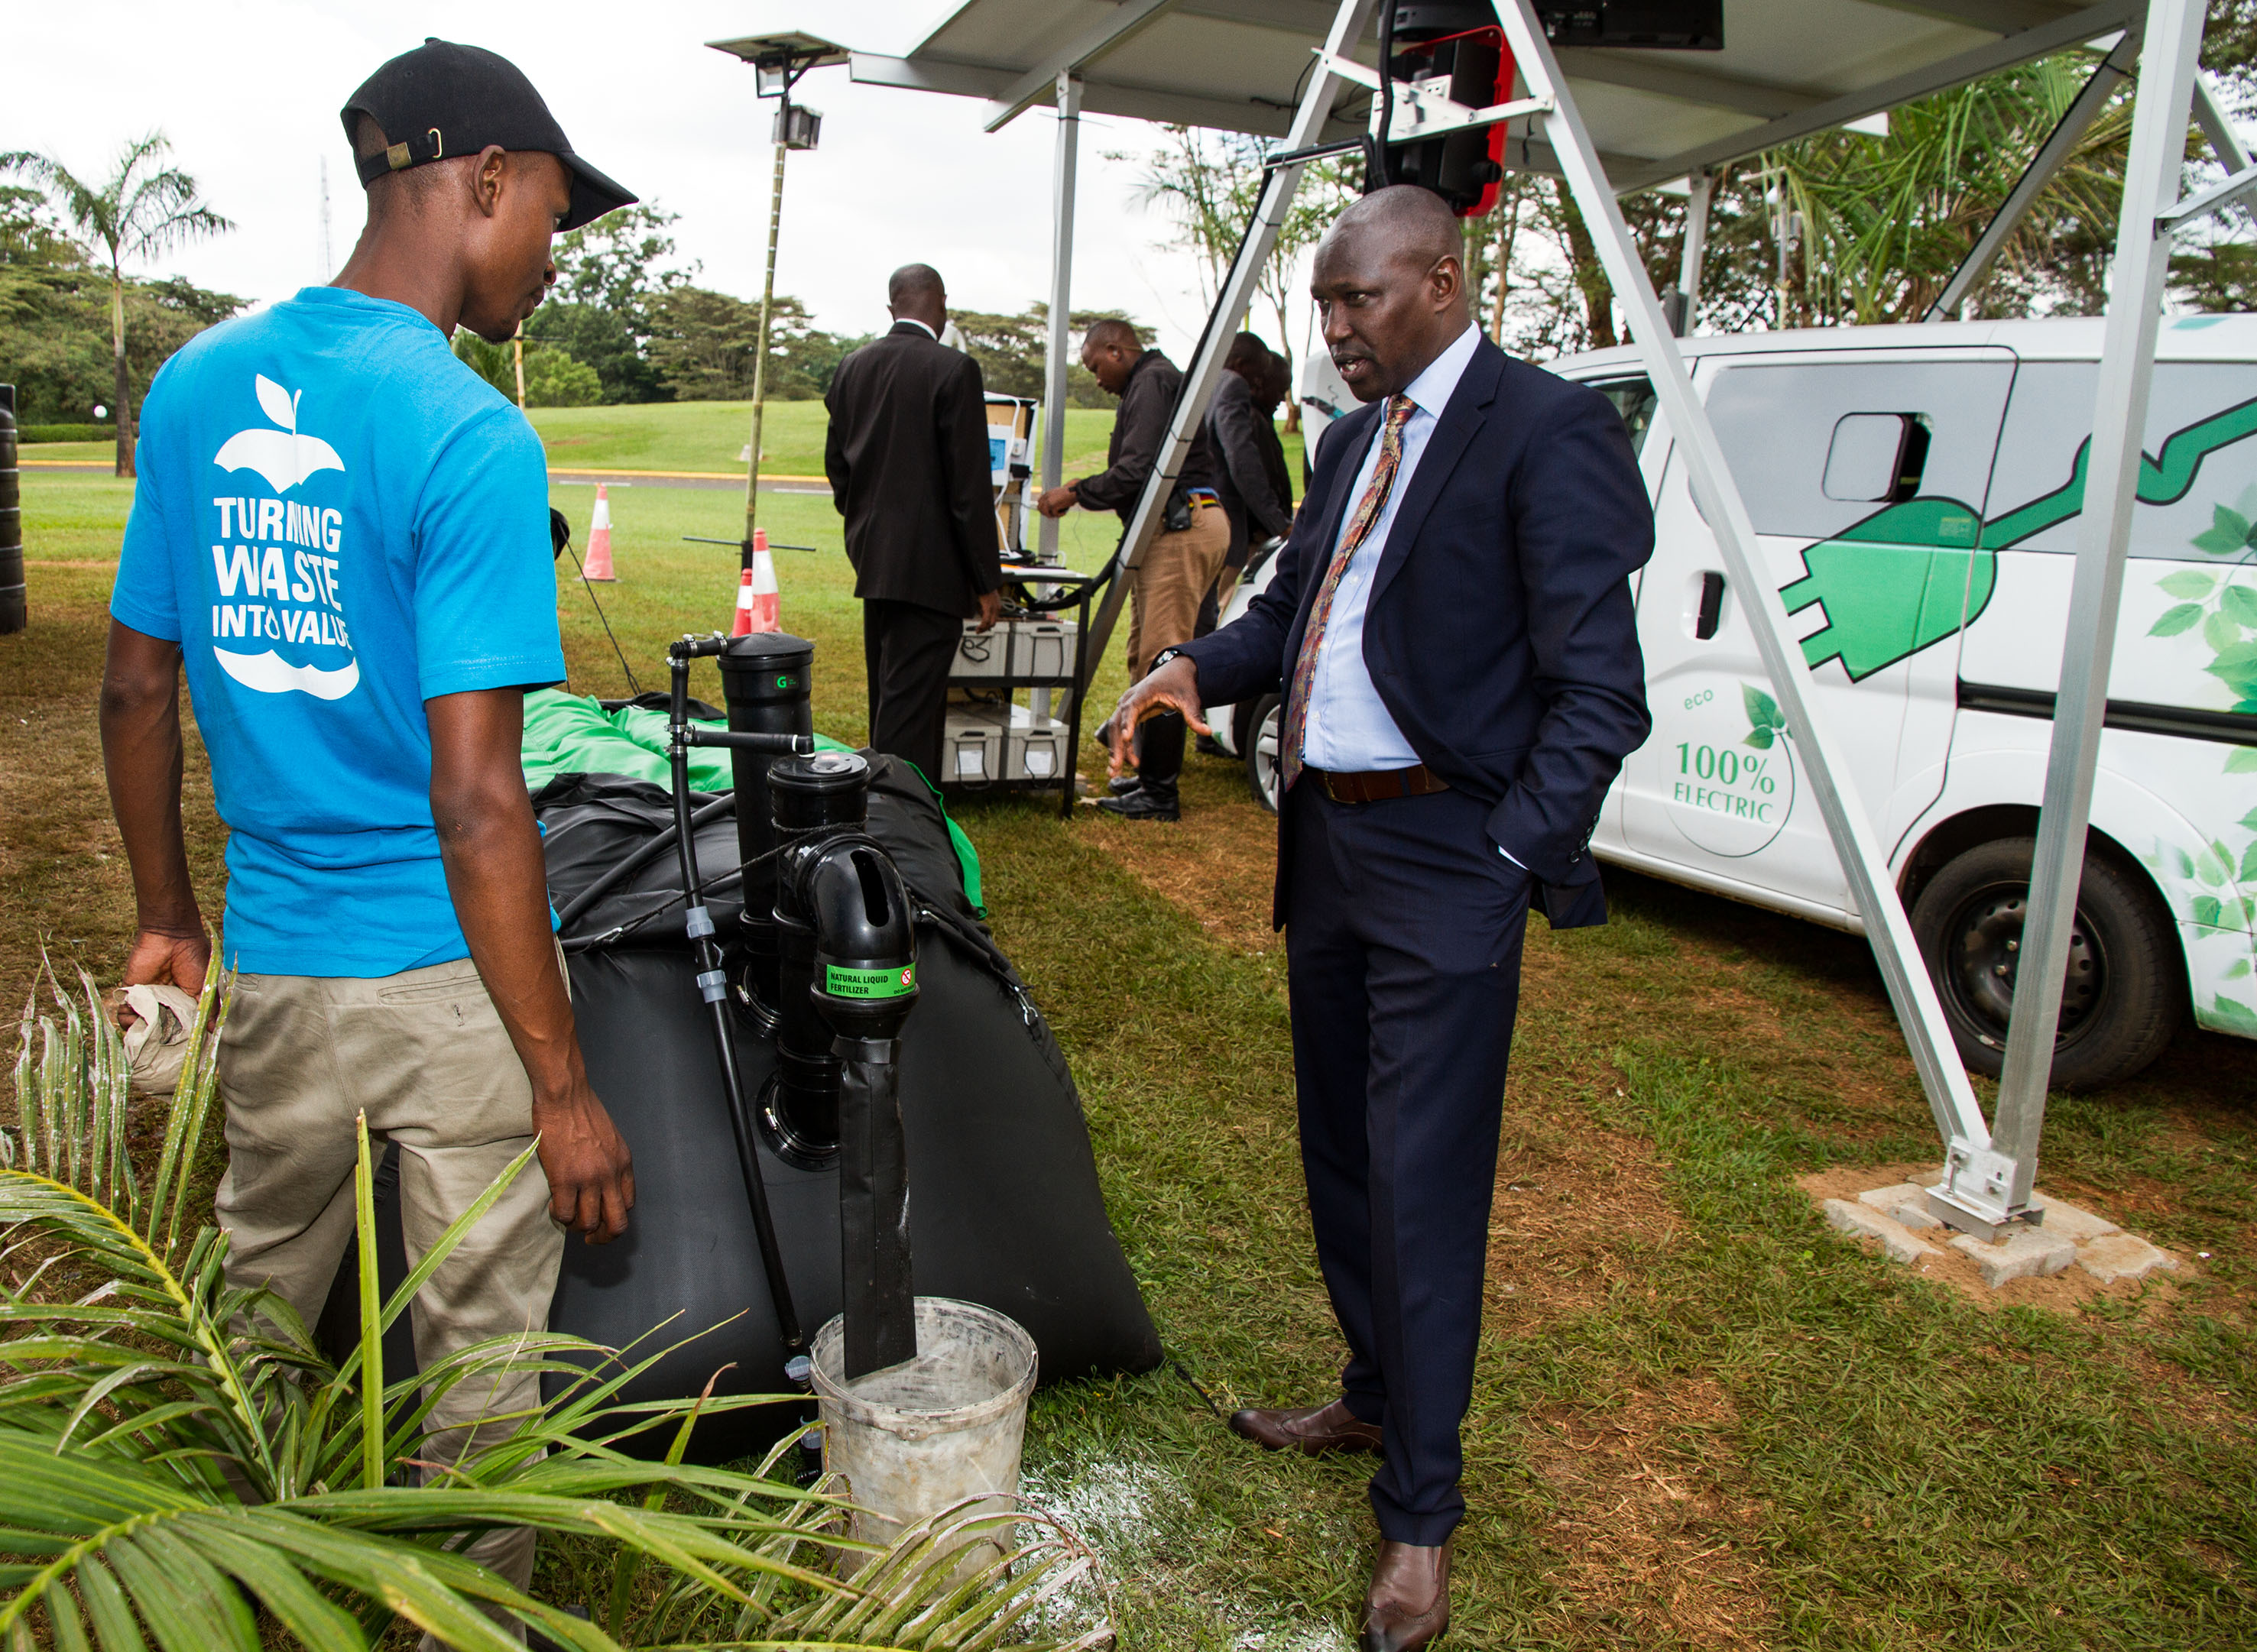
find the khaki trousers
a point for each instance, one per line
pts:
(425, 1056)
(1171, 583)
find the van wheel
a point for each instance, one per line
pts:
(1260, 744)
(2121, 1001)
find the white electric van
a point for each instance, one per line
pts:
(1915, 493)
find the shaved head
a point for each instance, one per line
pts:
(1111, 334)
(1401, 221)
(1389, 280)
(913, 281)
(914, 292)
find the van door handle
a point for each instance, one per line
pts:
(1712, 606)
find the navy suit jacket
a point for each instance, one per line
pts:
(1500, 634)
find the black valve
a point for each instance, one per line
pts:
(846, 983)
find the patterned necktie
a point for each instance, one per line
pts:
(1368, 510)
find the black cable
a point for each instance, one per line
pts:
(1378, 161)
(643, 855)
(632, 684)
(1197, 1389)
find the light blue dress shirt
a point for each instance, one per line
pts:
(1346, 727)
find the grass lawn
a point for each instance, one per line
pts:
(1701, 1419)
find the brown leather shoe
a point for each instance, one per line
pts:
(1409, 1605)
(1314, 1429)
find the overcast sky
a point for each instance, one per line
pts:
(248, 91)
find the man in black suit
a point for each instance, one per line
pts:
(908, 461)
(1451, 624)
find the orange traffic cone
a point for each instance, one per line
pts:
(599, 539)
(758, 604)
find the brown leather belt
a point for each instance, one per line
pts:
(1418, 780)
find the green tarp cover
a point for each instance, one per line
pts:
(566, 734)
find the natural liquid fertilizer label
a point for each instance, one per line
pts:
(840, 981)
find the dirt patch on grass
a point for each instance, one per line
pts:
(2065, 1292)
(1652, 1529)
(1579, 1214)
(1217, 865)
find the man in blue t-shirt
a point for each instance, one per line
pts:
(342, 532)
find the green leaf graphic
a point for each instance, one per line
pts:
(2235, 970)
(1763, 710)
(2185, 862)
(2228, 532)
(2239, 1017)
(2243, 761)
(2220, 631)
(1759, 738)
(2188, 582)
(2176, 620)
(2241, 601)
(2205, 909)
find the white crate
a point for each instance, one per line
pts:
(1042, 648)
(982, 654)
(1034, 750)
(973, 747)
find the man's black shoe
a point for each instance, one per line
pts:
(1152, 800)
(1208, 745)
(1121, 785)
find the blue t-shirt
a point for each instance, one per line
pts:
(337, 521)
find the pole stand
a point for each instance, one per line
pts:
(1974, 1192)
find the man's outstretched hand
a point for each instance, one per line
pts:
(1174, 687)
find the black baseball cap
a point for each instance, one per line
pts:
(444, 99)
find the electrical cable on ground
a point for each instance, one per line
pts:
(633, 686)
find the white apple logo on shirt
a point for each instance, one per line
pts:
(284, 458)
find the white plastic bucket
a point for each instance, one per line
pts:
(918, 1438)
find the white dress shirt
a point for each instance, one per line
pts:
(1347, 726)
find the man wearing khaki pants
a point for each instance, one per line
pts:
(341, 532)
(1181, 561)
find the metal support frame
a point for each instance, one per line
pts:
(1971, 1169)
(1205, 369)
(1056, 363)
(1684, 304)
(2109, 72)
(2150, 212)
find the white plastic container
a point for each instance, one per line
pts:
(982, 654)
(917, 1439)
(973, 743)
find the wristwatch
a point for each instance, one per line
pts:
(1161, 658)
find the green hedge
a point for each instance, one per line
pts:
(30, 433)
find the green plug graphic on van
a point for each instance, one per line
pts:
(1912, 574)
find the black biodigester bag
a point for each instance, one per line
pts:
(1004, 1205)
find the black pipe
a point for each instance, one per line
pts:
(764, 682)
(812, 798)
(712, 984)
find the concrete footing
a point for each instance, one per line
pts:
(2068, 1237)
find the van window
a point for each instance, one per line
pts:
(2197, 486)
(1781, 427)
(1876, 458)
(1634, 399)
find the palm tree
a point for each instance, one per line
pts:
(146, 209)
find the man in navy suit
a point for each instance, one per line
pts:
(1451, 625)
